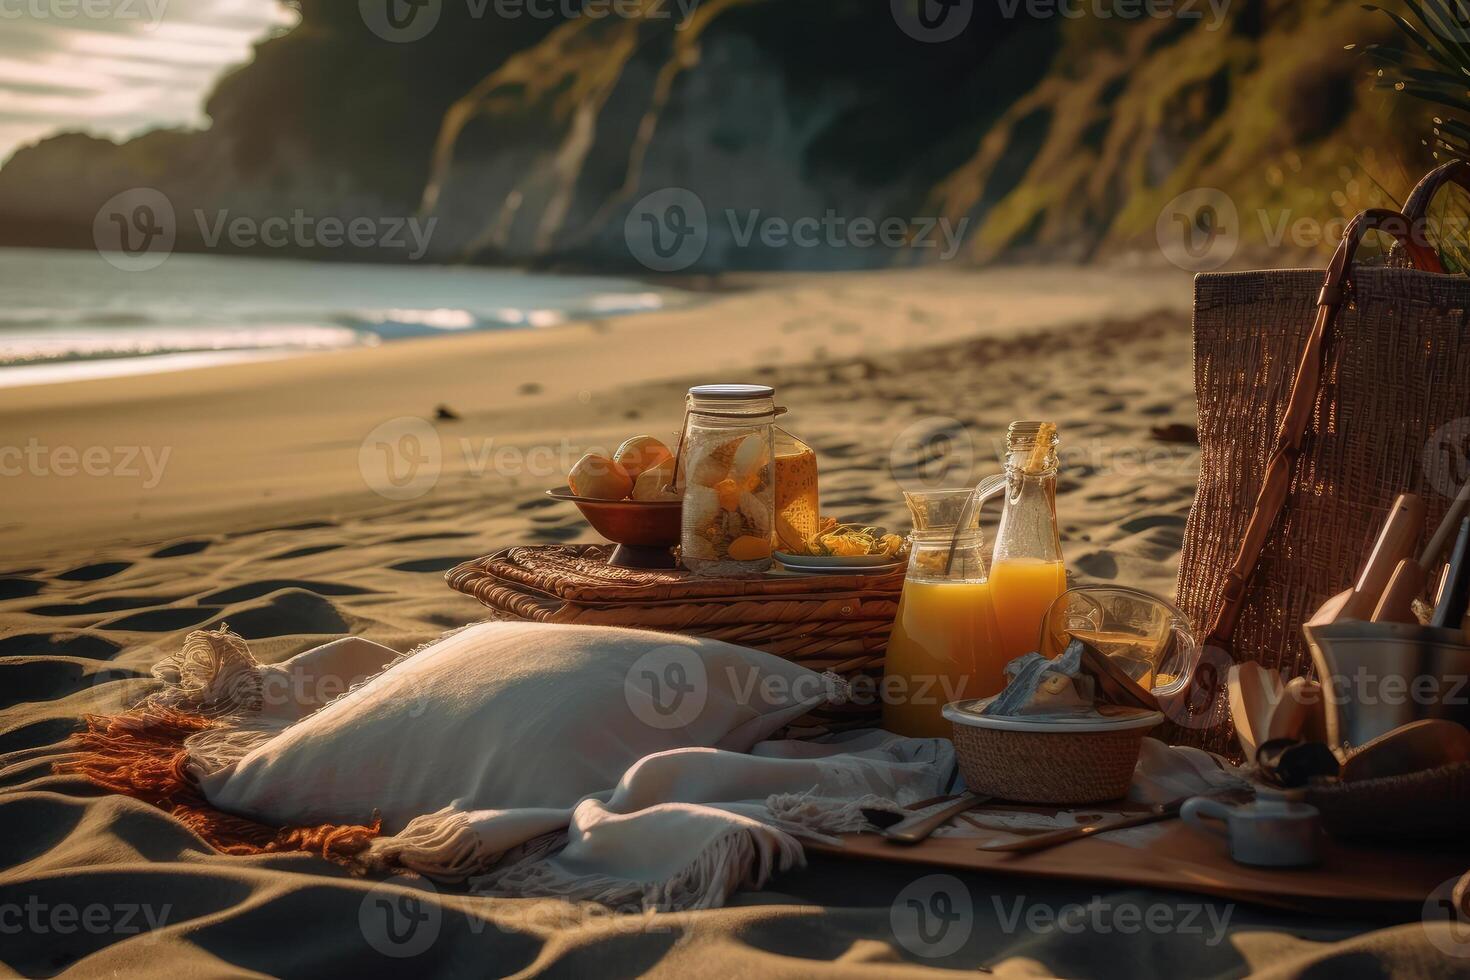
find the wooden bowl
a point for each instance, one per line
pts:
(644, 530)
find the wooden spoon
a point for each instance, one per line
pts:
(1419, 745)
(1299, 713)
(1395, 544)
(1254, 695)
(1397, 604)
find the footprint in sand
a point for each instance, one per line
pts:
(304, 526)
(286, 613)
(52, 731)
(44, 680)
(92, 573)
(162, 620)
(254, 590)
(563, 532)
(436, 536)
(841, 450)
(107, 604)
(1149, 521)
(304, 552)
(58, 645)
(181, 549)
(18, 588)
(1098, 565)
(431, 564)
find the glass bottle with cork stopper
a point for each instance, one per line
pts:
(1027, 572)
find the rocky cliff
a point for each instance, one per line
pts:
(801, 134)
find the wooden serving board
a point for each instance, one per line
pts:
(1351, 880)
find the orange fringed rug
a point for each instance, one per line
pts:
(140, 753)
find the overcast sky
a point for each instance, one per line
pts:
(118, 67)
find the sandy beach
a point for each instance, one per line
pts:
(282, 496)
(261, 493)
(273, 509)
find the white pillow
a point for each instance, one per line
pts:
(506, 716)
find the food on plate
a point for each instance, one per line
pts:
(837, 540)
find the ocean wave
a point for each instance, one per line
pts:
(61, 308)
(54, 346)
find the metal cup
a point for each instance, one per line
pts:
(1376, 677)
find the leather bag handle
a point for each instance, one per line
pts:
(1424, 192)
(1294, 421)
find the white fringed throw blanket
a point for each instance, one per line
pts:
(530, 759)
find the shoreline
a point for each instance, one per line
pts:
(280, 440)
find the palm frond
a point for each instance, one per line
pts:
(1434, 67)
(1434, 51)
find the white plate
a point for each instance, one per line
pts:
(841, 569)
(834, 561)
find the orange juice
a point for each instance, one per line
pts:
(796, 498)
(1022, 590)
(944, 647)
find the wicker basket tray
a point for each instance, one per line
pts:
(1417, 809)
(823, 622)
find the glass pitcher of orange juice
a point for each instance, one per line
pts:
(944, 645)
(1027, 572)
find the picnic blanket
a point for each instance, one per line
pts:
(108, 884)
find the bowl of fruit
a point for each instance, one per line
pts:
(629, 498)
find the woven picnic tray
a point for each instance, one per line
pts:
(837, 623)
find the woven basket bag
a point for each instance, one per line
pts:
(1319, 403)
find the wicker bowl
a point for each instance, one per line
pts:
(1057, 762)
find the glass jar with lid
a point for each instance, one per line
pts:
(726, 473)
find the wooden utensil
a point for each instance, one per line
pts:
(1449, 611)
(1299, 713)
(1395, 544)
(912, 830)
(1040, 842)
(1397, 604)
(1419, 745)
(1254, 694)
